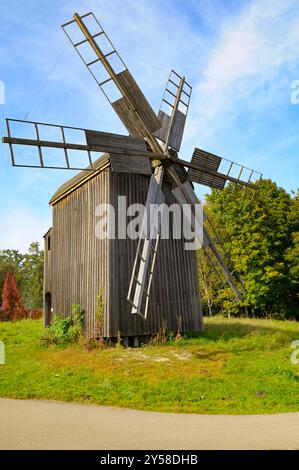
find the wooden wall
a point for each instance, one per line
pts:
(79, 259)
(81, 264)
(175, 295)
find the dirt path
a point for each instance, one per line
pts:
(54, 425)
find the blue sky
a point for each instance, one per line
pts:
(240, 56)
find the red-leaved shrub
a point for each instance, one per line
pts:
(12, 306)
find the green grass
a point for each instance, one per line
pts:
(236, 366)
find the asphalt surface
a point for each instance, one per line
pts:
(36, 424)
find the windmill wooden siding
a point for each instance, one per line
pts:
(80, 265)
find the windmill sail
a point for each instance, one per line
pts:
(108, 69)
(185, 195)
(42, 139)
(213, 171)
(145, 259)
(174, 90)
(141, 279)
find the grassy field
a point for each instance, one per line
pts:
(236, 366)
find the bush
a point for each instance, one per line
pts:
(66, 330)
(99, 326)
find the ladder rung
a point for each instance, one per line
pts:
(137, 280)
(74, 21)
(86, 14)
(176, 74)
(93, 62)
(81, 42)
(86, 40)
(105, 81)
(190, 87)
(189, 96)
(183, 102)
(170, 92)
(175, 84)
(68, 23)
(167, 102)
(110, 53)
(132, 303)
(141, 257)
(98, 34)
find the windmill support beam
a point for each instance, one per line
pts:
(146, 245)
(206, 236)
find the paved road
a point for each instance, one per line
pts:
(35, 424)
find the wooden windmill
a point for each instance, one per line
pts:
(151, 150)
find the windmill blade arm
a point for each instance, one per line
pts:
(132, 107)
(225, 271)
(173, 111)
(67, 139)
(188, 196)
(221, 178)
(211, 170)
(145, 259)
(142, 276)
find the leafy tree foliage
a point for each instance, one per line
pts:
(292, 253)
(27, 270)
(10, 262)
(32, 272)
(259, 233)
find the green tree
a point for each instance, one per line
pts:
(257, 230)
(32, 273)
(292, 253)
(11, 261)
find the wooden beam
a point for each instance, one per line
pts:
(143, 264)
(44, 143)
(147, 132)
(91, 148)
(188, 195)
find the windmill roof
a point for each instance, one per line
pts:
(128, 163)
(81, 178)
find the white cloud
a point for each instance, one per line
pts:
(247, 69)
